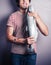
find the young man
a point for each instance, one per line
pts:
(15, 35)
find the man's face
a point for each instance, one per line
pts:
(24, 4)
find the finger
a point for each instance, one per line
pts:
(32, 42)
(29, 13)
(30, 36)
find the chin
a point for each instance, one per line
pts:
(24, 8)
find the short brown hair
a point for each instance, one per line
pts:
(17, 1)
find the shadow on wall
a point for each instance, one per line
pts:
(13, 4)
(4, 44)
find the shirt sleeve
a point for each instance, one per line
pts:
(11, 22)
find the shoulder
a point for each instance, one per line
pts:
(13, 14)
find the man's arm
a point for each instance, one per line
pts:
(28, 40)
(13, 38)
(42, 27)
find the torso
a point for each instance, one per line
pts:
(18, 21)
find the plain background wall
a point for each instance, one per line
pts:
(43, 8)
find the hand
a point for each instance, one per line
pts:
(34, 14)
(30, 40)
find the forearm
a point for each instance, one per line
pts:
(43, 28)
(16, 40)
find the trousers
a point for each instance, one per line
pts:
(22, 59)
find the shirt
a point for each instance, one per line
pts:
(16, 21)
